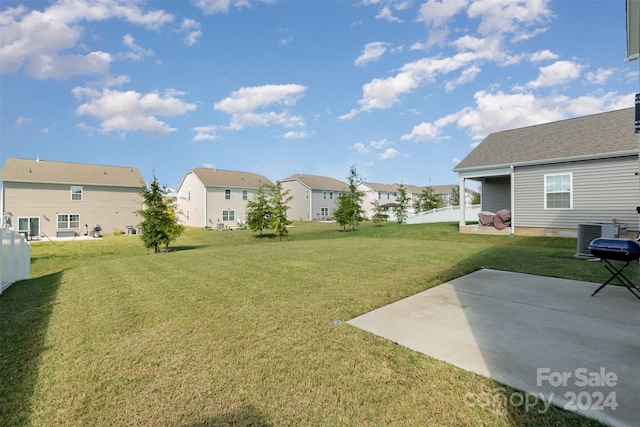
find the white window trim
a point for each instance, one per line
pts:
(73, 193)
(225, 193)
(570, 192)
(68, 227)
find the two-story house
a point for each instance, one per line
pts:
(217, 198)
(314, 197)
(60, 199)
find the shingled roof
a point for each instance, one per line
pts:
(589, 137)
(316, 182)
(392, 188)
(225, 178)
(45, 171)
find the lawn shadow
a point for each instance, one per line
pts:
(25, 310)
(245, 416)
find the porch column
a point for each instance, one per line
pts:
(462, 195)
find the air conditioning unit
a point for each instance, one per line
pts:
(592, 230)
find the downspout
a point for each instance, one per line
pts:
(206, 213)
(310, 204)
(513, 192)
(462, 198)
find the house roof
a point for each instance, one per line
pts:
(589, 137)
(444, 189)
(45, 171)
(392, 188)
(316, 182)
(225, 178)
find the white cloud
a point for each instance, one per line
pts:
(360, 147)
(559, 72)
(372, 52)
(37, 40)
(543, 55)
(137, 52)
(508, 16)
(600, 76)
(210, 7)
(125, 111)
(495, 112)
(387, 14)
(20, 121)
(384, 93)
(467, 76)
(191, 29)
(437, 13)
(205, 133)
(424, 132)
(389, 154)
(380, 143)
(243, 103)
(295, 135)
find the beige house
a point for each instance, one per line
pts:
(314, 197)
(216, 198)
(59, 199)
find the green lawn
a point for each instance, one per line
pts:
(227, 329)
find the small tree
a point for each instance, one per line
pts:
(159, 220)
(259, 210)
(455, 196)
(379, 214)
(429, 200)
(402, 204)
(279, 200)
(349, 205)
(476, 199)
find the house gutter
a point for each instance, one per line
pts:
(479, 169)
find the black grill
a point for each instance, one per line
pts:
(621, 250)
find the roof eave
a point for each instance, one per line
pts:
(549, 161)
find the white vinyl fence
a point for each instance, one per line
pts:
(15, 258)
(448, 214)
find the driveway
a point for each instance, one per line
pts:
(544, 336)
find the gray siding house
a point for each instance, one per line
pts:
(60, 199)
(314, 197)
(555, 176)
(216, 198)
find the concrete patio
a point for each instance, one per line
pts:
(541, 335)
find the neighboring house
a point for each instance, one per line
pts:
(59, 199)
(314, 197)
(555, 176)
(446, 193)
(386, 196)
(208, 197)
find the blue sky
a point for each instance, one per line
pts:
(402, 89)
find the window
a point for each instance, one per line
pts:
(306, 194)
(324, 211)
(227, 194)
(68, 221)
(324, 195)
(245, 194)
(558, 191)
(330, 195)
(187, 215)
(189, 195)
(76, 193)
(228, 215)
(379, 196)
